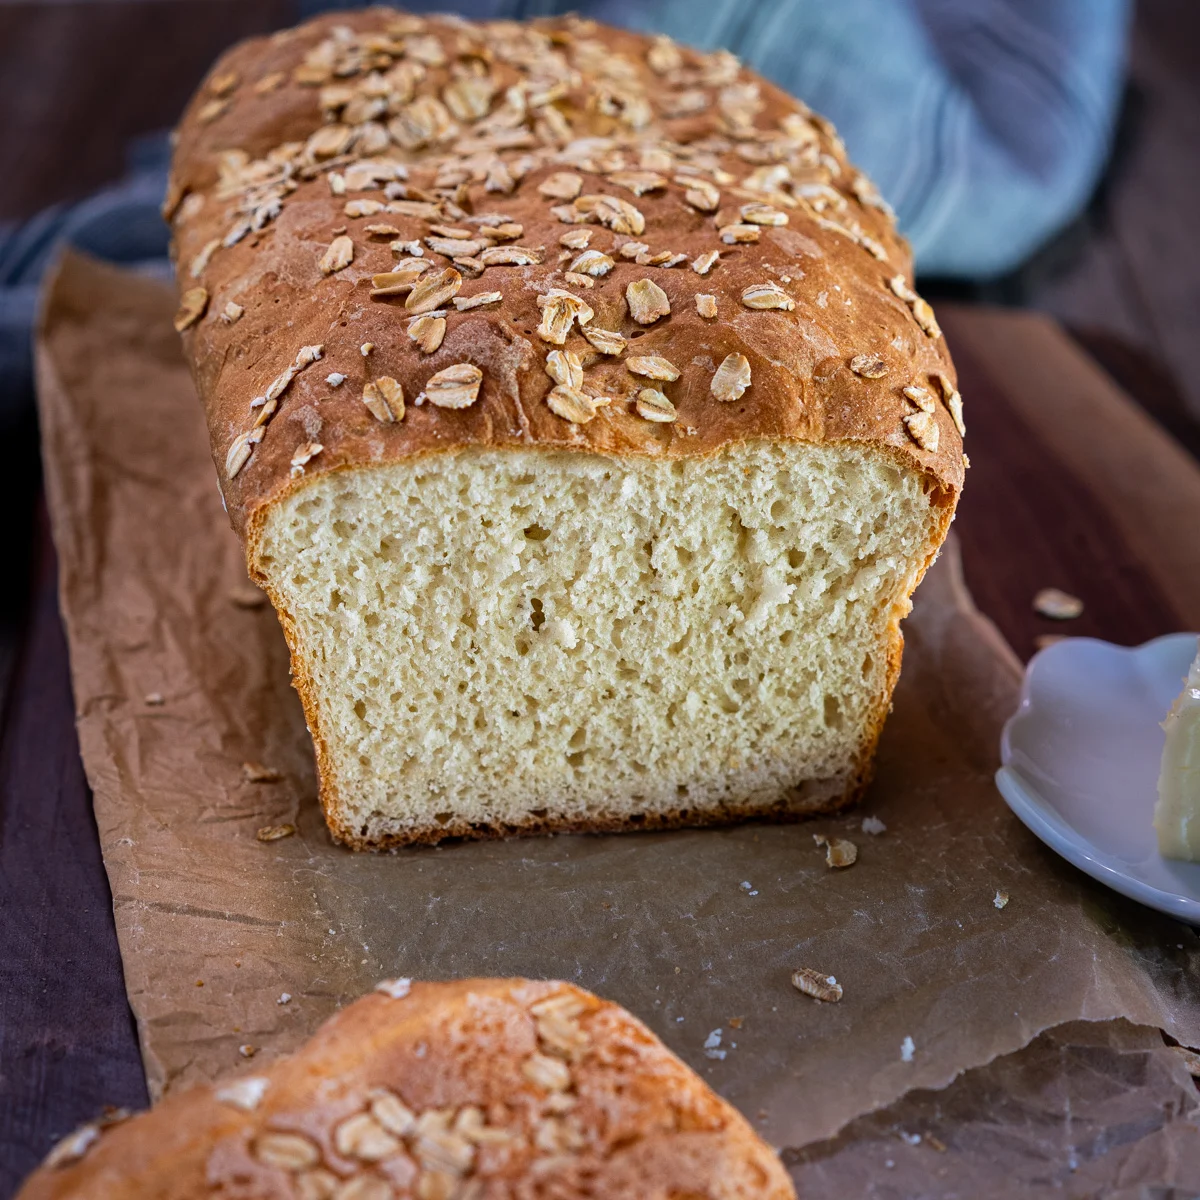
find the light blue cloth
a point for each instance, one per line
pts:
(986, 123)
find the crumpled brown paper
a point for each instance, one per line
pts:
(230, 942)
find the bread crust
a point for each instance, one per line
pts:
(849, 356)
(493, 1088)
(803, 387)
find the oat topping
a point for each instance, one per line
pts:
(762, 214)
(245, 1093)
(652, 366)
(733, 234)
(652, 405)
(550, 1074)
(304, 455)
(338, 255)
(869, 366)
(288, 1151)
(73, 1147)
(900, 288)
(384, 398)
(392, 1113)
(560, 310)
(605, 340)
(364, 1138)
(817, 985)
(466, 303)
(767, 295)
(564, 185)
(420, 121)
(638, 182)
(455, 387)
(192, 304)
(647, 301)
(565, 367)
(701, 194)
(201, 261)
(952, 399)
(571, 404)
(592, 262)
(433, 290)
(732, 378)
(921, 397)
(923, 429)
(576, 239)
(923, 314)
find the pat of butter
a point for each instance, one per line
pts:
(1177, 814)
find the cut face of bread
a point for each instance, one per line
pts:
(498, 640)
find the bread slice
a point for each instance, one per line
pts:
(475, 1088)
(501, 641)
(570, 394)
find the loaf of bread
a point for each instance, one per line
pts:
(568, 390)
(483, 1089)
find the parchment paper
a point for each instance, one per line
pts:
(693, 931)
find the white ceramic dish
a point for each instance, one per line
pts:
(1081, 757)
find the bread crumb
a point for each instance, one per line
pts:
(154, 699)
(247, 1051)
(907, 1049)
(838, 851)
(817, 984)
(1001, 899)
(873, 825)
(284, 998)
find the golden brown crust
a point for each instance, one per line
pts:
(483, 1089)
(750, 143)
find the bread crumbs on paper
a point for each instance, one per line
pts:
(839, 852)
(817, 984)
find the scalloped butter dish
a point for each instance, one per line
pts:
(1080, 761)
